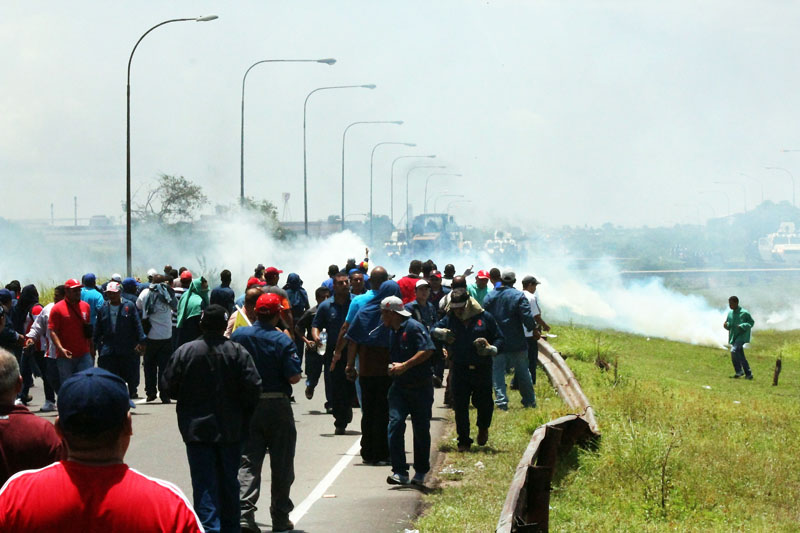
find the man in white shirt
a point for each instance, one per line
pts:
(39, 333)
(529, 284)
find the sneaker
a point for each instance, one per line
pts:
(248, 525)
(483, 436)
(737, 376)
(134, 396)
(48, 407)
(397, 479)
(151, 398)
(283, 526)
(309, 392)
(750, 377)
(19, 401)
(165, 400)
(463, 447)
(340, 431)
(503, 407)
(418, 479)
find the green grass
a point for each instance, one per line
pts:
(684, 447)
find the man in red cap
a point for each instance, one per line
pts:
(271, 276)
(272, 426)
(71, 332)
(480, 288)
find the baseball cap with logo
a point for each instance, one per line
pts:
(255, 282)
(72, 284)
(395, 304)
(271, 271)
(268, 304)
(483, 274)
(422, 283)
(113, 286)
(92, 401)
(435, 274)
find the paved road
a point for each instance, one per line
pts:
(333, 491)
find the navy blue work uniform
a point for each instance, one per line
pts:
(428, 314)
(339, 390)
(272, 426)
(411, 393)
(470, 373)
(117, 331)
(223, 296)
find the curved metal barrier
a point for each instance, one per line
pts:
(527, 506)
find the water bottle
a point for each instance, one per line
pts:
(323, 342)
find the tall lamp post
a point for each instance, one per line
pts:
(425, 203)
(408, 174)
(371, 168)
(790, 175)
(391, 180)
(344, 137)
(128, 137)
(329, 61)
(305, 160)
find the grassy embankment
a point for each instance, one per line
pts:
(684, 447)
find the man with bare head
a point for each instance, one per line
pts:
(247, 315)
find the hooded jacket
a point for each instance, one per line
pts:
(193, 301)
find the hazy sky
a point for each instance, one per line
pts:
(579, 112)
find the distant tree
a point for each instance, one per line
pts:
(268, 212)
(173, 199)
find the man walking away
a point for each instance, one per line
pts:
(408, 283)
(224, 295)
(157, 304)
(272, 426)
(411, 393)
(190, 307)
(26, 441)
(739, 324)
(513, 312)
(119, 338)
(216, 385)
(94, 488)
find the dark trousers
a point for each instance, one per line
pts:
(342, 391)
(156, 357)
(125, 365)
(740, 364)
(416, 402)
(271, 428)
(26, 365)
(215, 485)
(474, 384)
(317, 366)
(374, 418)
(533, 356)
(437, 363)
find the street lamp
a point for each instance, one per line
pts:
(436, 201)
(408, 174)
(425, 203)
(305, 162)
(344, 137)
(371, 167)
(757, 181)
(790, 175)
(329, 61)
(129, 270)
(391, 181)
(744, 190)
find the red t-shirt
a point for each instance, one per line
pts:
(26, 441)
(66, 320)
(73, 497)
(408, 288)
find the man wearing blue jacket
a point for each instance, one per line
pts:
(473, 338)
(119, 337)
(512, 310)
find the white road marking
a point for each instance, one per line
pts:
(325, 483)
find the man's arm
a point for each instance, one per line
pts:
(525, 313)
(419, 357)
(57, 343)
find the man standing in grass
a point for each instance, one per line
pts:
(739, 323)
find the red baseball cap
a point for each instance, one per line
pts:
(255, 282)
(482, 274)
(186, 275)
(272, 271)
(268, 304)
(73, 284)
(435, 274)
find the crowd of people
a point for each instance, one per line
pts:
(376, 341)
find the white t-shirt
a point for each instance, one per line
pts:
(160, 318)
(535, 310)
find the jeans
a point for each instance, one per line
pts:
(67, 367)
(215, 485)
(519, 361)
(124, 365)
(271, 428)
(417, 402)
(374, 418)
(156, 357)
(475, 384)
(740, 364)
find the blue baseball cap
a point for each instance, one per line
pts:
(92, 401)
(129, 284)
(89, 280)
(5, 296)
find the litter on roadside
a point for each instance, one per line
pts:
(707, 387)
(479, 465)
(450, 471)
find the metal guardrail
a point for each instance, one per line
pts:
(527, 506)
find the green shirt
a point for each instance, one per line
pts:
(478, 293)
(739, 324)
